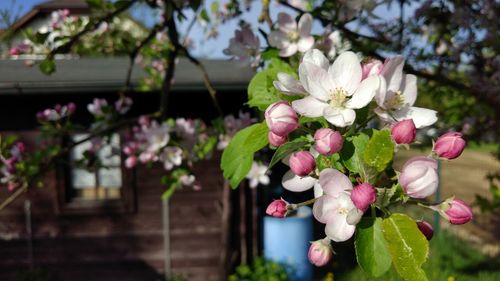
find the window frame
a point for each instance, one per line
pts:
(125, 204)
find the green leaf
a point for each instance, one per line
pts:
(407, 245)
(270, 53)
(352, 156)
(95, 4)
(286, 149)
(379, 151)
(237, 158)
(47, 66)
(371, 248)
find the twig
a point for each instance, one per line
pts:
(264, 14)
(14, 196)
(88, 28)
(173, 35)
(157, 28)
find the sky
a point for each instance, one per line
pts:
(211, 48)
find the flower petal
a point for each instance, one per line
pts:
(315, 80)
(316, 57)
(334, 182)
(337, 228)
(409, 89)
(393, 72)
(288, 85)
(422, 117)
(278, 39)
(318, 190)
(305, 43)
(305, 25)
(339, 117)
(309, 106)
(295, 183)
(286, 23)
(365, 92)
(323, 207)
(346, 72)
(288, 51)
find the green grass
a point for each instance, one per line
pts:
(449, 257)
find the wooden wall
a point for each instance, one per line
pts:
(126, 246)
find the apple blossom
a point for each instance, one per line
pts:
(276, 140)
(372, 67)
(426, 229)
(277, 208)
(339, 214)
(171, 156)
(302, 163)
(97, 106)
(281, 118)
(155, 136)
(244, 46)
(395, 103)
(320, 252)
(131, 161)
(123, 104)
(258, 174)
(332, 43)
(187, 180)
(456, 211)
(363, 195)
(404, 132)
(336, 92)
(419, 177)
(328, 141)
(449, 145)
(291, 37)
(288, 85)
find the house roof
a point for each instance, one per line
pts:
(90, 75)
(74, 6)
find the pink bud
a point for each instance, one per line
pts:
(426, 229)
(457, 211)
(14, 51)
(449, 145)
(328, 141)
(404, 132)
(320, 252)
(302, 163)
(371, 68)
(131, 161)
(277, 208)
(275, 140)
(419, 177)
(281, 118)
(363, 195)
(71, 107)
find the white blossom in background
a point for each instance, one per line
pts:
(258, 174)
(335, 92)
(232, 125)
(171, 156)
(395, 103)
(351, 8)
(332, 44)
(154, 137)
(291, 37)
(97, 106)
(244, 46)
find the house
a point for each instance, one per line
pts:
(125, 232)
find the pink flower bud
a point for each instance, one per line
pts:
(276, 140)
(426, 229)
(302, 163)
(320, 252)
(419, 177)
(281, 118)
(404, 132)
(449, 145)
(14, 51)
(71, 108)
(371, 68)
(457, 211)
(277, 208)
(328, 141)
(363, 195)
(131, 161)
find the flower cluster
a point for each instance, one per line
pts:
(8, 169)
(57, 113)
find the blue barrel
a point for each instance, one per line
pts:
(287, 241)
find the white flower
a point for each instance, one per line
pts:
(290, 37)
(171, 157)
(187, 180)
(258, 174)
(155, 136)
(337, 90)
(333, 44)
(244, 46)
(395, 103)
(96, 107)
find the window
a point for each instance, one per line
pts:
(96, 184)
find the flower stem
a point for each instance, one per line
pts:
(305, 203)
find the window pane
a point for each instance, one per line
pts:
(82, 178)
(110, 178)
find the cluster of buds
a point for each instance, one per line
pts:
(8, 169)
(102, 110)
(57, 113)
(281, 120)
